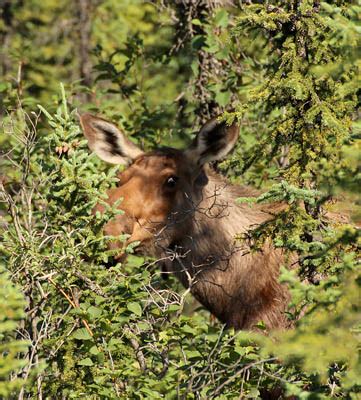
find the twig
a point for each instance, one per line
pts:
(240, 372)
(93, 286)
(138, 352)
(87, 327)
(13, 213)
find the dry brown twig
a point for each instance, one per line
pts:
(86, 325)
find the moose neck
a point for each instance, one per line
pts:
(219, 210)
(239, 286)
(211, 236)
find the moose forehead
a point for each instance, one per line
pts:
(160, 162)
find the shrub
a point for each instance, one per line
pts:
(100, 329)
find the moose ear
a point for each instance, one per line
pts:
(107, 141)
(214, 141)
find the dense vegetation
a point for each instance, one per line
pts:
(73, 324)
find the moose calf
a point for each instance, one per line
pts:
(183, 212)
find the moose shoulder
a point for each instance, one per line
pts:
(184, 213)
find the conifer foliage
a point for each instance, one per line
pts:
(74, 323)
(11, 312)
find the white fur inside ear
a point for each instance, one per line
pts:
(108, 142)
(227, 147)
(214, 141)
(202, 145)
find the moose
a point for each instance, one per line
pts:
(186, 215)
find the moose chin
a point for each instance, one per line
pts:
(182, 212)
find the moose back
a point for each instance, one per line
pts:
(184, 213)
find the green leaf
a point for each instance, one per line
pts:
(195, 67)
(64, 103)
(253, 394)
(197, 22)
(135, 308)
(81, 334)
(188, 329)
(86, 362)
(194, 355)
(135, 261)
(50, 118)
(221, 18)
(131, 246)
(94, 312)
(198, 42)
(94, 350)
(173, 307)
(222, 98)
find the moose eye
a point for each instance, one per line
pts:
(171, 181)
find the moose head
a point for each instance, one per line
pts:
(159, 188)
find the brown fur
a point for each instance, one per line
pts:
(238, 286)
(193, 225)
